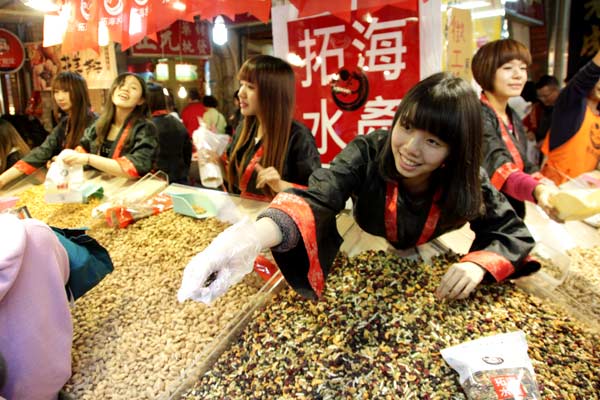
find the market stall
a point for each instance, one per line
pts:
(134, 340)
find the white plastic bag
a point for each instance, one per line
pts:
(210, 145)
(64, 183)
(494, 367)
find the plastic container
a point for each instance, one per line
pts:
(210, 175)
(554, 271)
(189, 204)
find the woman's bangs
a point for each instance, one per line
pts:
(434, 118)
(514, 51)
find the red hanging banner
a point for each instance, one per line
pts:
(82, 28)
(111, 14)
(135, 22)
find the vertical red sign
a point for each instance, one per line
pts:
(351, 76)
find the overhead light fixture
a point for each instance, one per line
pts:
(499, 12)
(186, 72)
(219, 31)
(179, 5)
(182, 92)
(42, 5)
(162, 71)
(103, 36)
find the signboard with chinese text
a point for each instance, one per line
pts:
(351, 76)
(181, 39)
(460, 43)
(12, 52)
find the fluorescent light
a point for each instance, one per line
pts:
(179, 6)
(42, 5)
(103, 38)
(470, 5)
(499, 12)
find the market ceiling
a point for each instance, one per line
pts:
(129, 21)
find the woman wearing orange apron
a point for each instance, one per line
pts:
(573, 145)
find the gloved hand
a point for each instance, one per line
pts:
(226, 260)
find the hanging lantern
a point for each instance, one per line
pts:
(219, 31)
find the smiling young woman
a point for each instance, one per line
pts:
(500, 68)
(124, 141)
(411, 186)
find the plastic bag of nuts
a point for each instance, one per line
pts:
(494, 367)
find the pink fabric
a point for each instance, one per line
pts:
(36, 331)
(520, 186)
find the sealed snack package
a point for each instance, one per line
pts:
(210, 147)
(494, 368)
(64, 183)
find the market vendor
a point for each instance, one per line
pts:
(70, 94)
(270, 151)
(123, 141)
(410, 185)
(572, 146)
(500, 68)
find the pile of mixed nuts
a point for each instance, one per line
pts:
(378, 331)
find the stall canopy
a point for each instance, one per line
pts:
(86, 22)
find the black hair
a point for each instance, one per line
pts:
(155, 97)
(210, 101)
(546, 80)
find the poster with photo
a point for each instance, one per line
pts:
(98, 70)
(45, 64)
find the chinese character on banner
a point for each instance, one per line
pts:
(354, 73)
(182, 38)
(508, 387)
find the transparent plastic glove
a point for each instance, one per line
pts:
(226, 260)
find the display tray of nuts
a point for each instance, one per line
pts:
(132, 339)
(378, 330)
(577, 292)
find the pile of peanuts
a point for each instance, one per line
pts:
(132, 339)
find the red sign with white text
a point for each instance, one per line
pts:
(182, 38)
(12, 52)
(353, 74)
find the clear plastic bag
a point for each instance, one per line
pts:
(64, 183)
(210, 147)
(494, 367)
(140, 200)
